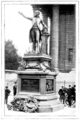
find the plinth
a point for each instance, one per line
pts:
(39, 81)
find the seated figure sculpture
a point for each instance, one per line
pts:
(35, 31)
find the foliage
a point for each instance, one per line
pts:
(11, 57)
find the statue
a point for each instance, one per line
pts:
(35, 31)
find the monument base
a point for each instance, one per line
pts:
(39, 81)
(54, 108)
(46, 103)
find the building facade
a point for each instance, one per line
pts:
(62, 39)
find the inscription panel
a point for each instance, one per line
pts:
(30, 85)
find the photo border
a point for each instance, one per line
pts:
(38, 115)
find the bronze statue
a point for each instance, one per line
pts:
(36, 32)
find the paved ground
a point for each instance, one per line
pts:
(67, 111)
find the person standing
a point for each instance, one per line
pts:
(14, 89)
(69, 95)
(7, 93)
(74, 93)
(62, 94)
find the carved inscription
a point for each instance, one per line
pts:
(30, 85)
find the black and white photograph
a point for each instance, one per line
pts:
(39, 65)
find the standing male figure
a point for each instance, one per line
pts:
(7, 92)
(62, 94)
(69, 95)
(14, 89)
(74, 93)
(35, 31)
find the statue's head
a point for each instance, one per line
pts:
(36, 13)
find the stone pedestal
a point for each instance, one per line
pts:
(39, 81)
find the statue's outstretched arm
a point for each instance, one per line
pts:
(25, 16)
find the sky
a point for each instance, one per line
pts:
(17, 27)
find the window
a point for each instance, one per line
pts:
(70, 55)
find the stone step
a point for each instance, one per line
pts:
(48, 108)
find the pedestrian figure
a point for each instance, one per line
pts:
(73, 93)
(14, 89)
(62, 94)
(7, 93)
(69, 95)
